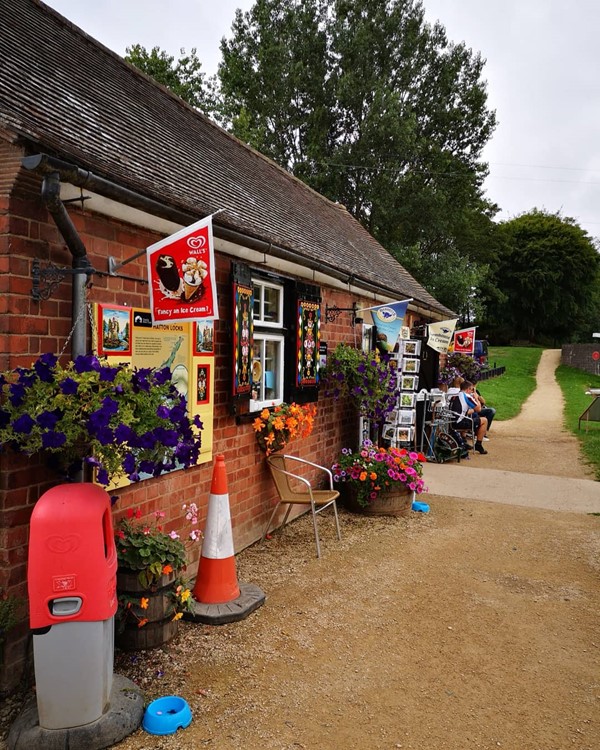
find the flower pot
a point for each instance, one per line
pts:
(396, 502)
(160, 627)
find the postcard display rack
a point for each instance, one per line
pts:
(400, 427)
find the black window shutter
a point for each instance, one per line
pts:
(242, 326)
(303, 326)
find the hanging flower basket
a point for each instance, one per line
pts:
(275, 427)
(115, 418)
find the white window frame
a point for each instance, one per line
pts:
(260, 340)
(264, 331)
(259, 285)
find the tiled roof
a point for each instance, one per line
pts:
(68, 95)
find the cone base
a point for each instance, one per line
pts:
(251, 597)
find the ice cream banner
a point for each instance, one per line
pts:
(388, 320)
(464, 341)
(181, 275)
(440, 335)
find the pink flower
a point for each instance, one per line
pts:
(174, 535)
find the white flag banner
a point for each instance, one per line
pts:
(440, 335)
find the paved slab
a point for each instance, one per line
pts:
(511, 488)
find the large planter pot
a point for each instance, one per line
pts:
(397, 502)
(161, 627)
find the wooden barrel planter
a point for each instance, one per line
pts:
(397, 502)
(160, 627)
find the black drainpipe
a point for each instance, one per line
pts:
(81, 264)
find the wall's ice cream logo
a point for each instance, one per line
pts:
(196, 242)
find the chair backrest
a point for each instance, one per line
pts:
(277, 465)
(455, 406)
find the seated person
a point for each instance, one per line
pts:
(454, 388)
(485, 411)
(466, 409)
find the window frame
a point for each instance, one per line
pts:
(259, 321)
(265, 331)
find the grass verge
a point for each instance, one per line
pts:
(574, 384)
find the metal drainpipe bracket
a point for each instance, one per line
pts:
(45, 280)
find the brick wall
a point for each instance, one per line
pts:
(29, 328)
(581, 356)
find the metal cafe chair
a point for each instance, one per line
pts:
(466, 426)
(294, 489)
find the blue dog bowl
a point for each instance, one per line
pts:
(420, 507)
(167, 715)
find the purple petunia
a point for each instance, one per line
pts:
(48, 419)
(17, 394)
(108, 374)
(53, 439)
(69, 386)
(86, 363)
(162, 376)
(23, 424)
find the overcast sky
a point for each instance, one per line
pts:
(543, 63)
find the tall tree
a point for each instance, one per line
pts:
(184, 77)
(367, 103)
(549, 271)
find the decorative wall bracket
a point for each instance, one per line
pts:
(45, 280)
(332, 313)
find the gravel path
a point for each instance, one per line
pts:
(472, 626)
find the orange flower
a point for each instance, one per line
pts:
(141, 623)
(167, 569)
(144, 601)
(372, 476)
(265, 414)
(258, 424)
(362, 476)
(279, 423)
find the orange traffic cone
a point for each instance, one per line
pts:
(217, 596)
(217, 580)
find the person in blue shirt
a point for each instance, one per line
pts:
(468, 410)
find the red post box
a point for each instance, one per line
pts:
(72, 578)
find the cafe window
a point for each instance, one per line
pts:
(276, 338)
(269, 344)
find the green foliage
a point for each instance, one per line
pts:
(365, 378)
(574, 384)
(184, 77)
(453, 278)
(376, 109)
(548, 270)
(145, 548)
(460, 365)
